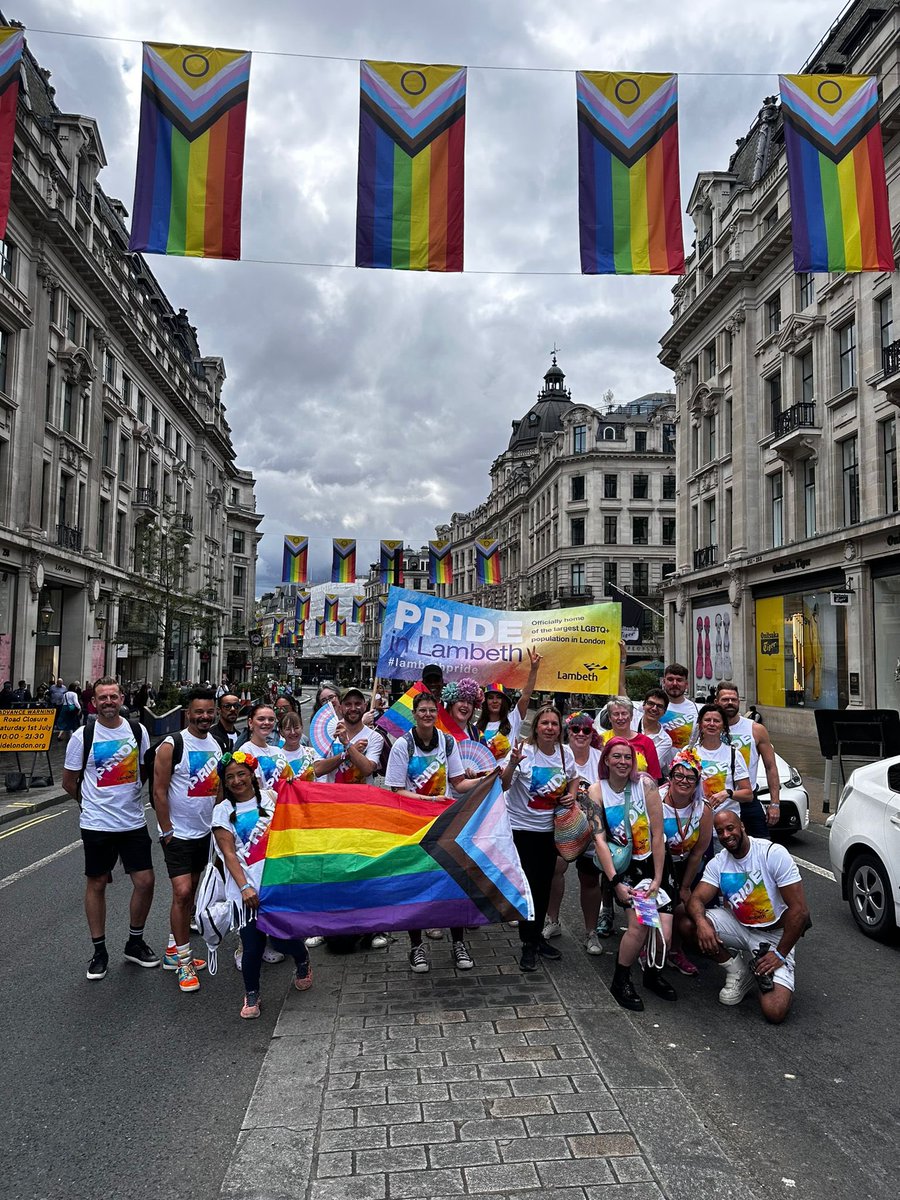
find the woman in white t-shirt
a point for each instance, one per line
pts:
(262, 731)
(240, 826)
(540, 774)
(301, 759)
(500, 719)
(724, 777)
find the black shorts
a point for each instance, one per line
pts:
(186, 856)
(586, 866)
(103, 849)
(639, 869)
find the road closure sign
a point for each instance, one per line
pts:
(26, 728)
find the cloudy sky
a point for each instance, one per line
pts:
(371, 403)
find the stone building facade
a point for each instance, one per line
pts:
(788, 552)
(112, 425)
(415, 577)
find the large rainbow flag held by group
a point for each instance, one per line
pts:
(12, 43)
(839, 205)
(190, 167)
(629, 192)
(346, 858)
(411, 166)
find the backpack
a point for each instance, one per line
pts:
(150, 760)
(449, 743)
(213, 913)
(137, 732)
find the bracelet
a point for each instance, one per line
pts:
(778, 954)
(617, 879)
(247, 885)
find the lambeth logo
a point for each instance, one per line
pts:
(768, 643)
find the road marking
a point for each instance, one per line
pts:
(33, 821)
(35, 866)
(816, 870)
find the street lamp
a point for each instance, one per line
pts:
(45, 616)
(100, 622)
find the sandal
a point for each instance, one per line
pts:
(251, 1006)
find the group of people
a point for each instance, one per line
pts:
(677, 836)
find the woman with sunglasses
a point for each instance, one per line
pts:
(539, 774)
(632, 814)
(688, 826)
(580, 733)
(240, 826)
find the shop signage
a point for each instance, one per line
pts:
(840, 599)
(122, 650)
(26, 728)
(791, 564)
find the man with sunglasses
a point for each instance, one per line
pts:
(225, 729)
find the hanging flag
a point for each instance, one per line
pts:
(839, 204)
(629, 194)
(301, 607)
(358, 616)
(340, 627)
(331, 607)
(487, 561)
(410, 184)
(349, 858)
(382, 608)
(440, 562)
(299, 629)
(277, 630)
(392, 563)
(343, 560)
(287, 640)
(12, 43)
(320, 627)
(190, 165)
(293, 562)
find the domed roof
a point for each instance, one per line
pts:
(545, 416)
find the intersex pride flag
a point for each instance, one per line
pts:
(346, 858)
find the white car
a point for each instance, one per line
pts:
(794, 800)
(864, 845)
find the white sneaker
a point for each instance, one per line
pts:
(738, 981)
(592, 945)
(312, 942)
(272, 956)
(436, 935)
(552, 929)
(379, 941)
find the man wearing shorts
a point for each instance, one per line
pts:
(185, 783)
(764, 916)
(107, 786)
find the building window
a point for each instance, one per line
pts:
(809, 498)
(123, 459)
(729, 520)
(668, 531)
(106, 444)
(610, 531)
(640, 441)
(773, 397)
(709, 355)
(727, 424)
(4, 362)
(237, 541)
(119, 549)
(850, 480)
(709, 437)
(610, 577)
(50, 392)
(806, 289)
(847, 355)
(127, 388)
(709, 514)
(773, 313)
(727, 347)
(8, 260)
(577, 577)
(668, 439)
(154, 419)
(640, 579)
(668, 487)
(85, 419)
(110, 369)
(65, 497)
(142, 408)
(71, 320)
(770, 220)
(579, 439)
(102, 526)
(610, 487)
(577, 492)
(889, 459)
(640, 531)
(776, 503)
(667, 569)
(238, 581)
(68, 405)
(640, 487)
(805, 367)
(886, 320)
(577, 531)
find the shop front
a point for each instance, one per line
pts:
(886, 624)
(713, 643)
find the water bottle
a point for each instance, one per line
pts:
(765, 982)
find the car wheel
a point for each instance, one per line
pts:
(871, 902)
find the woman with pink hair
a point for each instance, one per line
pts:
(460, 698)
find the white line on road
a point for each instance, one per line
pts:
(41, 862)
(816, 870)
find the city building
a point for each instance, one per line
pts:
(127, 532)
(788, 550)
(316, 656)
(582, 501)
(415, 577)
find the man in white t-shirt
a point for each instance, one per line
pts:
(185, 785)
(360, 745)
(763, 917)
(754, 743)
(107, 782)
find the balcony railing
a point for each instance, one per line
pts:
(705, 557)
(145, 497)
(85, 198)
(798, 416)
(573, 595)
(705, 242)
(184, 521)
(890, 358)
(541, 599)
(68, 537)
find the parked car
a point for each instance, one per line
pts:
(864, 845)
(794, 801)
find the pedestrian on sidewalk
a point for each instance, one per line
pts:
(69, 714)
(103, 772)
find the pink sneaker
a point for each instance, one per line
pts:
(680, 961)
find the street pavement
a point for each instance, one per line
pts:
(378, 1083)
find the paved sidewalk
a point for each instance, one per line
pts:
(383, 1084)
(19, 804)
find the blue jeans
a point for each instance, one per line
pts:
(254, 942)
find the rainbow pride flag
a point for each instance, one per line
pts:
(410, 184)
(299, 629)
(392, 563)
(190, 165)
(398, 719)
(12, 43)
(349, 858)
(301, 607)
(359, 610)
(839, 205)
(340, 627)
(293, 560)
(487, 561)
(320, 627)
(382, 609)
(343, 560)
(440, 562)
(629, 192)
(331, 607)
(277, 630)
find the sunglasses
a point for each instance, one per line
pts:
(580, 729)
(230, 704)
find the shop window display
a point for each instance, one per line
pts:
(801, 651)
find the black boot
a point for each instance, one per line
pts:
(528, 961)
(654, 982)
(547, 950)
(622, 990)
